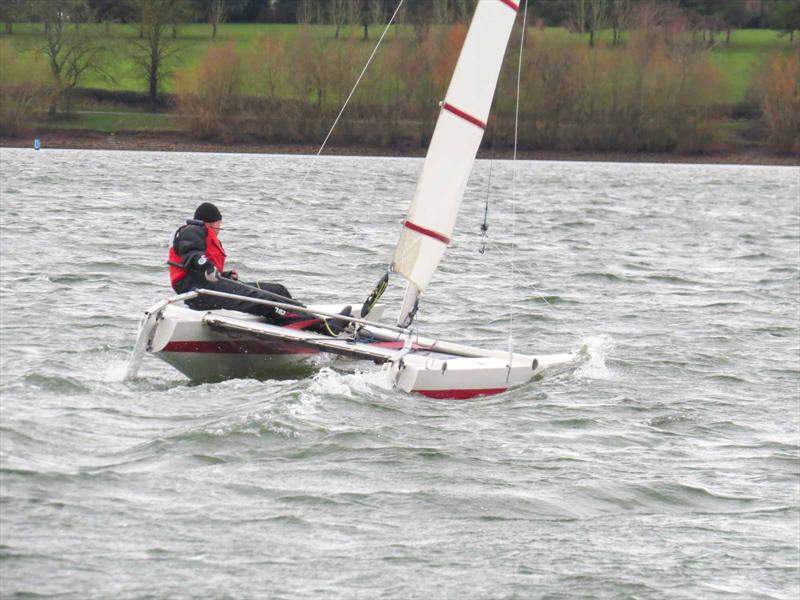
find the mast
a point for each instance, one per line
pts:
(456, 138)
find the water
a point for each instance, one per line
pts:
(665, 465)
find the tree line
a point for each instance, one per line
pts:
(653, 88)
(70, 55)
(582, 15)
(657, 93)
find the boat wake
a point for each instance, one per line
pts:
(117, 369)
(358, 383)
(592, 356)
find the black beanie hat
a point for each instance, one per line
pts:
(208, 213)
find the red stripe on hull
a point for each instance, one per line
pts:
(392, 345)
(463, 115)
(459, 394)
(511, 4)
(256, 346)
(397, 345)
(240, 347)
(429, 232)
(303, 324)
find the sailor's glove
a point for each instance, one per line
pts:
(232, 274)
(208, 269)
(212, 274)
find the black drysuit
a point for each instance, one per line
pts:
(195, 261)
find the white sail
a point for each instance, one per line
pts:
(459, 130)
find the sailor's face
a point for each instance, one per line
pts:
(216, 226)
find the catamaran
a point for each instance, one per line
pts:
(221, 344)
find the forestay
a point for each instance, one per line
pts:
(459, 130)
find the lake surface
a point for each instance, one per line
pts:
(665, 465)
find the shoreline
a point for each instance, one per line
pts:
(179, 142)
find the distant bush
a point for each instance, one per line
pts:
(655, 93)
(24, 89)
(210, 94)
(385, 93)
(303, 82)
(275, 118)
(778, 90)
(264, 63)
(651, 95)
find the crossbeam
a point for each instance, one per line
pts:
(301, 309)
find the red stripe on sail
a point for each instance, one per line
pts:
(430, 233)
(511, 4)
(459, 394)
(463, 115)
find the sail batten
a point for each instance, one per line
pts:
(463, 114)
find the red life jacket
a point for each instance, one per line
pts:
(213, 251)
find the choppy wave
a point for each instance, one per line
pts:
(661, 461)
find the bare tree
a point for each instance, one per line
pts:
(79, 12)
(421, 20)
(320, 12)
(377, 12)
(734, 15)
(597, 14)
(10, 11)
(401, 18)
(216, 15)
(355, 9)
(786, 18)
(153, 53)
(579, 18)
(338, 14)
(619, 15)
(305, 12)
(441, 11)
(69, 56)
(464, 9)
(181, 13)
(650, 15)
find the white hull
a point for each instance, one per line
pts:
(183, 340)
(463, 377)
(218, 345)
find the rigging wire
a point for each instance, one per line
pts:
(350, 95)
(516, 272)
(539, 293)
(514, 183)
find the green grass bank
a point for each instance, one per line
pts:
(654, 93)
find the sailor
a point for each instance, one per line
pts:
(197, 261)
